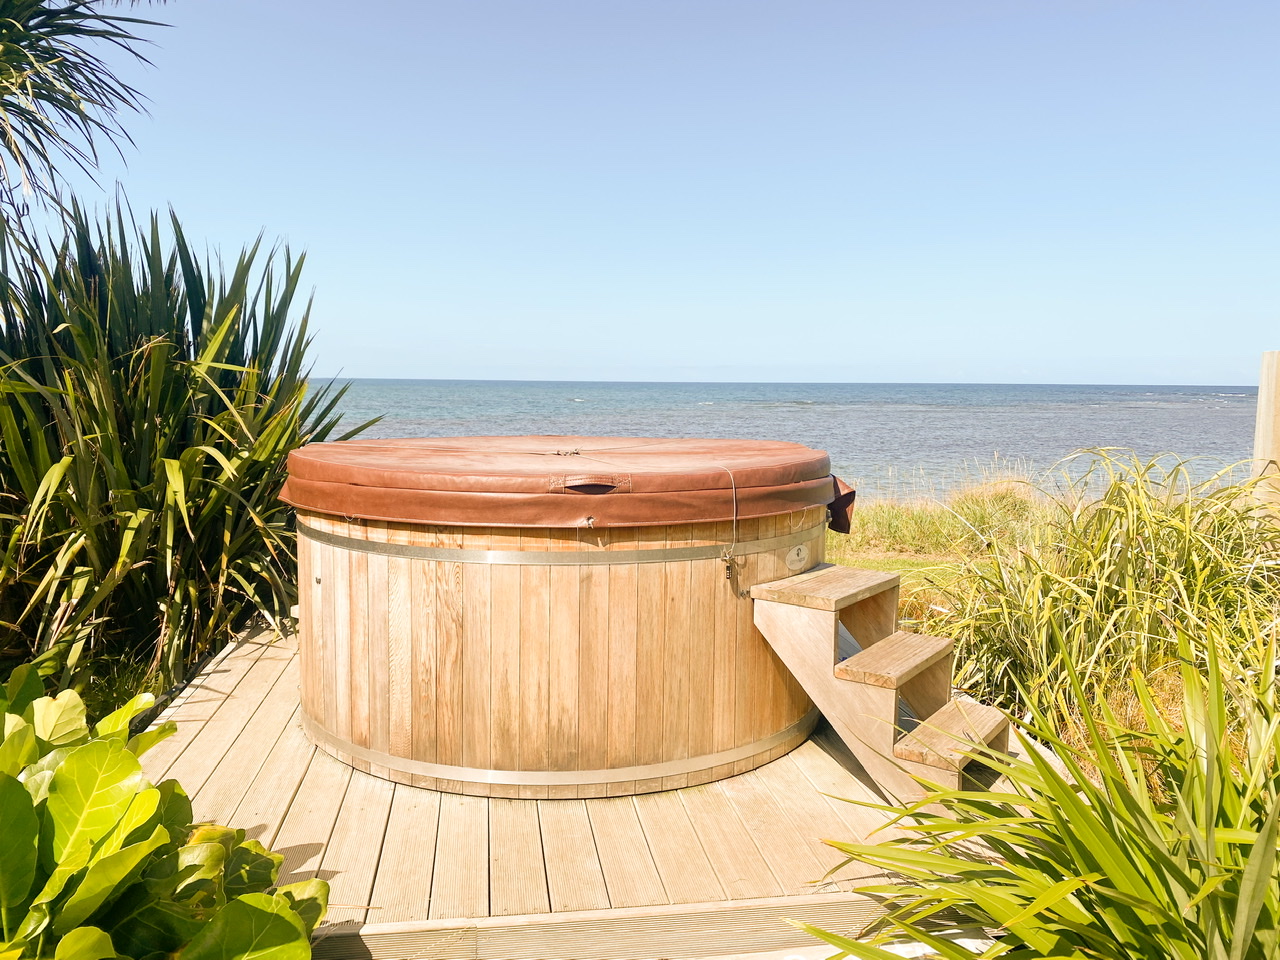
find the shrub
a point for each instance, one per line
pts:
(1127, 552)
(1158, 841)
(148, 403)
(97, 863)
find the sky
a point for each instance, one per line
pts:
(996, 191)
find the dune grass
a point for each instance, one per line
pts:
(1099, 565)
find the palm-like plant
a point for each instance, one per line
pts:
(58, 98)
(148, 403)
(1159, 841)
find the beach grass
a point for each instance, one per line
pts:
(1099, 567)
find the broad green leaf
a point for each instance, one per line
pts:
(140, 743)
(23, 688)
(117, 722)
(310, 900)
(106, 876)
(37, 776)
(85, 943)
(175, 810)
(19, 748)
(142, 925)
(251, 868)
(90, 791)
(227, 837)
(59, 721)
(18, 839)
(200, 867)
(138, 821)
(255, 926)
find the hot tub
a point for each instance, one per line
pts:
(551, 616)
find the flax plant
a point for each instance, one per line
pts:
(59, 99)
(1124, 550)
(148, 402)
(1158, 841)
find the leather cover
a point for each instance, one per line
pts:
(561, 481)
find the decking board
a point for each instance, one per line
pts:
(402, 858)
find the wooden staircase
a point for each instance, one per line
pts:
(886, 693)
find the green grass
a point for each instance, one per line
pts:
(1131, 617)
(1144, 841)
(1102, 560)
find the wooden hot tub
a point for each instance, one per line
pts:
(551, 616)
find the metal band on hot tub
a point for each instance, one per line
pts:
(535, 557)
(539, 778)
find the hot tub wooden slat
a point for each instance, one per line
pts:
(401, 704)
(676, 645)
(344, 653)
(377, 613)
(623, 592)
(650, 656)
(564, 628)
(477, 664)
(422, 691)
(547, 667)
(535, 671)
(450, 724)
(593, 670)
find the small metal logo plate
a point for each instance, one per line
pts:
(798, 557)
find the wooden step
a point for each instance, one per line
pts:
(826, 587)
(942, 739)
(894, 660)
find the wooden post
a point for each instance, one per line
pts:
(1266, 434)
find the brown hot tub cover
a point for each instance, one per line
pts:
(562, 481)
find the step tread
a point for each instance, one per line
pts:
(942, 739)
(827, 587)
(894, 660)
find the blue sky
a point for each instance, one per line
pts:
(900, 190)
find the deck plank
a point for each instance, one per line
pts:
(630, 875)
(742, 870)
(784, 848)
(199, 701)
(575, 880)
(350, 860)
(399, 854)
(229, 780)
(813, 817)
(460, 883)
(220, 731)
(308, 825)
(267, 798)
(686, 873)
(839, 786)
(402, 889)
(517, 874)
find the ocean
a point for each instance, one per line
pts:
(888, 439)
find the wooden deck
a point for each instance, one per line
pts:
(702, 871)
